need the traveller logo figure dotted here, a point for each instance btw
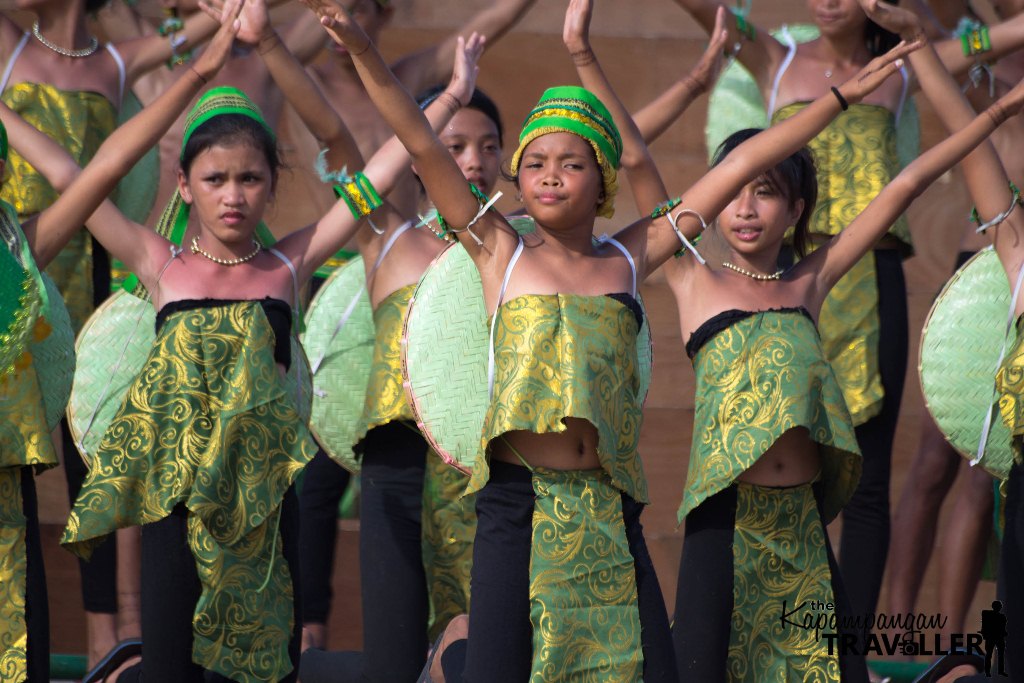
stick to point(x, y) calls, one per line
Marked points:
point(993, 630)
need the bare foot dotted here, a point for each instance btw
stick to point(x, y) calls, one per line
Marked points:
point(458, 629)
point(314, 635)
point(101, 634)
point(964, 670)
point(113, 675)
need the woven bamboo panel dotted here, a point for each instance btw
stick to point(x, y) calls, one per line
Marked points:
point(112, 349)
point(339, 386)
point(960, 345)
point(54, 356)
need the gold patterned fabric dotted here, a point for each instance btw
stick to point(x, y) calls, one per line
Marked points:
point(209, 424)
point(565, 355)
point(757, 378)
point(855, 157)
point(779, 558)
point(583, 593)
point(1010, 386)
point(385, 396)
point(78, 121)
point(13, 570)
point(449, 527)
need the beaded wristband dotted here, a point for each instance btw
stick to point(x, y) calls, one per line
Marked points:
point(666, 206)
point(982, 227)
point(746, 29)
point(975, 41)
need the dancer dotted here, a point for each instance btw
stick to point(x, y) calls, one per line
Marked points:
point(25, 444)
point(550, 437)
point(774, 457)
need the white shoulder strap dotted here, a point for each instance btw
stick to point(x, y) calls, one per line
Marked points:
point(903, 93)
point(603, 239)
point(295, 279)
point(787, 38)
point(14, 57)
point(494, 318)
point(122, 73)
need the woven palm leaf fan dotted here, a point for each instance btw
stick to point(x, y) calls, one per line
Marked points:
point(339, 337)
point(960, 348)
point(444, 354)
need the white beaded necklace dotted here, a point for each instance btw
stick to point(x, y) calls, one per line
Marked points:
point(755, 276)
point(84, 52)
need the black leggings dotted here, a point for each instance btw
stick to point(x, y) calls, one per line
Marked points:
point(500, 645)
point(864, 545)
point(394, 583)
point(170, 590)
point(704, 595)
point(37, 612)
point(323, 484)
point(99, 574)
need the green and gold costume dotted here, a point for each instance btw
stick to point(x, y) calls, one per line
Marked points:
point(24, 443)
point(209, 424)
point(1010, 386)
point(855, 157)
point(79, 121)
point(559, 356)
point(759, 375)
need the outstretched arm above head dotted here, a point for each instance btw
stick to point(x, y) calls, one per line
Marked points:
point(655, 118)
point(116, 156)
point(438, 171)
point(709, 195)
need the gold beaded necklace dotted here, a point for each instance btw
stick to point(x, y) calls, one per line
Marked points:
point(196, 249)
point(761, 277)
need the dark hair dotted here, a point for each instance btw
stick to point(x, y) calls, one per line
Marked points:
point(794, 177)
point(877, 39)
point(228, 129)
point(94, 6)
point(479, 101)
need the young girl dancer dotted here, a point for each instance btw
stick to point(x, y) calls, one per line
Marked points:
point(24, 442)
point(561, 458)
point(863, 322)
point(774, 457)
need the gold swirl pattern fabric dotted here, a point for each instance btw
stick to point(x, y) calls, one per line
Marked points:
point(565, 355)
point(779, 558)
point(209, 424)
point(449, 527)
point(78, 121)
point(583, 594)
point(1010, 386)
point(13, 570)
point(760, 377)
point(855, 157)
point(385, 396)
point(850, 331)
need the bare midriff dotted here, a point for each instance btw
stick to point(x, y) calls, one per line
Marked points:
point(573, 449)
point(792, 460)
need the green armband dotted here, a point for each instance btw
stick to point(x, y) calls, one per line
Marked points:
point(975, 41)
point(360, 195)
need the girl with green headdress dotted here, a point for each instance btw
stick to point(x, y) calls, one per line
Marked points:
point(559, 454)
point(209, 438)
point(25, 439)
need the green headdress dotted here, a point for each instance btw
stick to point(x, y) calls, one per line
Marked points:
point(571, 109)
point(174, 219)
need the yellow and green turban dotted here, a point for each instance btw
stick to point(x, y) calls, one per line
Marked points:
point(174, 218)
point(571, 109)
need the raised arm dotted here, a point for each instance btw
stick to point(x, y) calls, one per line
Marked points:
point(655, 118)
point(438, 171)
point(756, 49)
point(115, 157)
point(718, 186)
point(144, 54)
point(1005, 37)
point(834, 259)
point(432, 65)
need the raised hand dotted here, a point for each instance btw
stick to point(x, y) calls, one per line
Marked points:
point(216, 53)
point(255, 22)
point(876, 71)
point(576, 30)
point(898, 20)
point(339, 25)
point(465, 68)
point(706, 71)
point(1008, 105)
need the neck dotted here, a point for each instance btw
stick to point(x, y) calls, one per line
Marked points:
point(574, 242)
point(843, 50)
point(64, 24)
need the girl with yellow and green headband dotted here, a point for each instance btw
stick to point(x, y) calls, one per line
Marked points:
point(209, 439)
point(25, 444)
point(559, 456)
